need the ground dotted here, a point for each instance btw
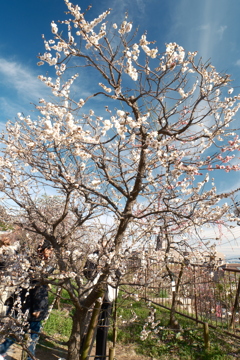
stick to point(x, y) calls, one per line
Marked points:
point(44, 353)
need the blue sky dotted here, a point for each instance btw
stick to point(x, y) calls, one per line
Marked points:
point(211, 27)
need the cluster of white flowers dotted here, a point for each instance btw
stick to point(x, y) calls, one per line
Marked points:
point(131, 70)
point(189, 93)
point(81, 103)
point(54, 28)
point(174, 55)
point(86, 29)
point(95, 183)
point(59, 90)
point(152, 53)
point(150, 325)
point(126, 27)
point(107, 89)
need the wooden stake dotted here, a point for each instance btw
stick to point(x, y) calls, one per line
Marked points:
point(206, 336)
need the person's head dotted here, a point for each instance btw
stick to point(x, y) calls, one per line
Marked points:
point(45, 250)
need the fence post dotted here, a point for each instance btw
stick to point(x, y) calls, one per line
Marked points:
point(111, 353)
point(195, 296)
point(206, 336)
point(145, 285)
point(115, 318)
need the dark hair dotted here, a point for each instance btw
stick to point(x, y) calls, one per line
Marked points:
point(45, 245)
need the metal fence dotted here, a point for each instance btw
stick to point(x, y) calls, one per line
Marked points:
point(200, 292)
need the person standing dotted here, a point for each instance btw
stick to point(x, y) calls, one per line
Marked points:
point(34, 301)
point(103, 322)
point(91, 273)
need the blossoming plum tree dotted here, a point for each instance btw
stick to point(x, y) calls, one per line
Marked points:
point(136, 147)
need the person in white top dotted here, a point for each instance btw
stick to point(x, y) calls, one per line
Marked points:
point(91, 273)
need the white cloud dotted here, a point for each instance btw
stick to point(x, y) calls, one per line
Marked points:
point(237, 62)
point(22, 79)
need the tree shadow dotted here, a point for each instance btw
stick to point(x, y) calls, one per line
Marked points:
point(45, 353)
point(42, 353)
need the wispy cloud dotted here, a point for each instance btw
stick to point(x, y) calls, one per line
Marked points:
point(9, 108)
point(19, 86)
point(141, 5)
point(226, 240)
point(203, 27)
point(220, 31)
point(133, 7)
point(20, 78)
point(210, 28)
point(204, 30)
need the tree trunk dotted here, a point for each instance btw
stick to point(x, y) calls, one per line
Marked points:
point(173, 322)
point(77, 333)
point(83, 328)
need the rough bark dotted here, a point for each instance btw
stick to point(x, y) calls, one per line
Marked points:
point(74, 343)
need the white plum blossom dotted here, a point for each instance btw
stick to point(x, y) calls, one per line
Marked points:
point(96, 183)
point(126, 27)
point(54, 27)
point(120, 113)
point(81, 102)
point(107, 89)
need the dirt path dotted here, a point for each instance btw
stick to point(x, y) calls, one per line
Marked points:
point(125, 352)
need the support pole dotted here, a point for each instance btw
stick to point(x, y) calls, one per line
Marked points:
point(92, 326)
point(206, 336)
point(111, 353)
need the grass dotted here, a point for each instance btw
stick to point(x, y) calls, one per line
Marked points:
point(163, 293)
point(186, 344)
point(65, 299)
point(59, 322)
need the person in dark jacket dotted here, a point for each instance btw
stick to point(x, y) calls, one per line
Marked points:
point(34, 303)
